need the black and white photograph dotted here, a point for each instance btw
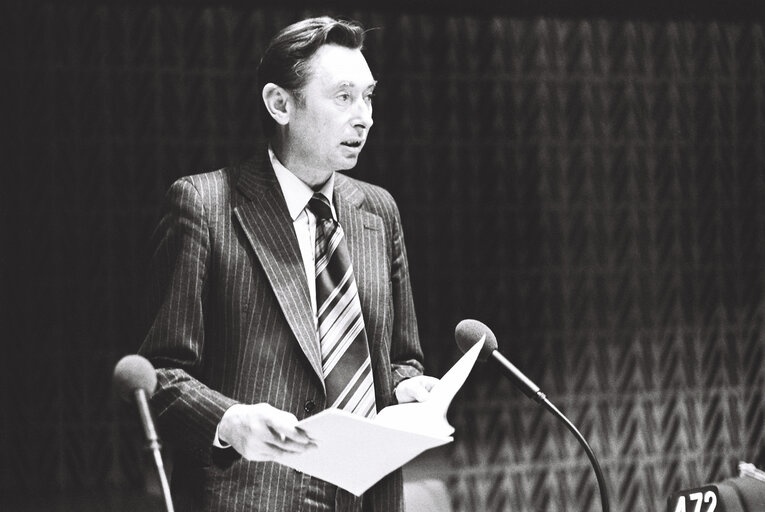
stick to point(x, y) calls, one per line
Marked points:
point(402, 256)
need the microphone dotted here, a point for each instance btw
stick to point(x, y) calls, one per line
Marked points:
point(134, 372)
point(135, 380)
point(469, 332)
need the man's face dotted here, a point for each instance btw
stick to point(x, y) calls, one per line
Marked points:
point(327, 130)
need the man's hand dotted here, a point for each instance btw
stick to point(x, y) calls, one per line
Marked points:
point(261, 432)
point(416, 389)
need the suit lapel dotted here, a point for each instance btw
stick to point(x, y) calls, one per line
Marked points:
point(268, 226)
point(364, 233)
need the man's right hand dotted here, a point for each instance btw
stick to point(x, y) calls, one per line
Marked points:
point(261, 432)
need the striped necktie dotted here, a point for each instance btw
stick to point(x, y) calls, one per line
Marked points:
point(344, 350)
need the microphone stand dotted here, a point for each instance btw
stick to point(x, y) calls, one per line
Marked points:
point(153, 445)
point(532, 391)
point(582, 441)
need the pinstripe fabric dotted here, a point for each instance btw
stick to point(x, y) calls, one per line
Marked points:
point(232, 322)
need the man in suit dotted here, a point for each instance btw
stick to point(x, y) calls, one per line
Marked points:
point(239, 329)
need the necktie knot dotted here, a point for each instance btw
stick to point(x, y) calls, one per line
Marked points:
point(319, 206)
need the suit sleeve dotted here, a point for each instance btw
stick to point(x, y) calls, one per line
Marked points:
point(406, 353)
point(188, 411)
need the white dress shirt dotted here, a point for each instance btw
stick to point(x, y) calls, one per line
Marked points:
point(297, 194)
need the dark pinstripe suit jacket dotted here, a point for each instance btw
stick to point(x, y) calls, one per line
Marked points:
point(232, 323)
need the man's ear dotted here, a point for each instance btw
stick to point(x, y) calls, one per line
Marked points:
point(277, 102)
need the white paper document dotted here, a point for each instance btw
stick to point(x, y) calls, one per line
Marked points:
point(354, 452)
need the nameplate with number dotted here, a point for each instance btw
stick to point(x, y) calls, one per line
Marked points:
point(701, 499)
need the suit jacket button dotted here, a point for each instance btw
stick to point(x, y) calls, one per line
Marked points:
point(309, 406)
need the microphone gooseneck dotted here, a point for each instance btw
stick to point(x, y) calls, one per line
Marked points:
point(469, 332)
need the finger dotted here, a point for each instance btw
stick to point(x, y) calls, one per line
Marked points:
point(289, 446)
point(428, 382)
point(295, 433)
point(419, 393)
point(277, 434)
point(283, 425)
point(304, 435)
point(286, 447)
point(290, 436)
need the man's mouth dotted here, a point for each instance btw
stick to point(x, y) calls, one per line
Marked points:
point(352, 143)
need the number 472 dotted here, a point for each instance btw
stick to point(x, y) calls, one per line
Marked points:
point(709, 497)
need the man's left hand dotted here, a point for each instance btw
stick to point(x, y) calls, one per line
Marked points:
point(416, 389)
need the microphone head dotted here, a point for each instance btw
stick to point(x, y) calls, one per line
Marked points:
point(468, 333)
point(131, 373)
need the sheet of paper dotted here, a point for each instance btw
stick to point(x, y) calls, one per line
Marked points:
point(430, 417)
point(354, 452)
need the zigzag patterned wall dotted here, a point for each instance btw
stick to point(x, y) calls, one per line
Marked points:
point(594, 190)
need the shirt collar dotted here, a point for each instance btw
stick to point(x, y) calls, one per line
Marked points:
point(296, 192)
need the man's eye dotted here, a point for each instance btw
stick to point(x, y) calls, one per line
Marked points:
point(370, 97)
point(344, 97)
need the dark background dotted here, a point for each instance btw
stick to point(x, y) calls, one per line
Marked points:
point(587, 178)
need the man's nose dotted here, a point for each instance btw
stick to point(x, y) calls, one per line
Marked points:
point(363, 114)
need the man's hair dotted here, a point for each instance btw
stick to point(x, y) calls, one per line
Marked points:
point(286, 60)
